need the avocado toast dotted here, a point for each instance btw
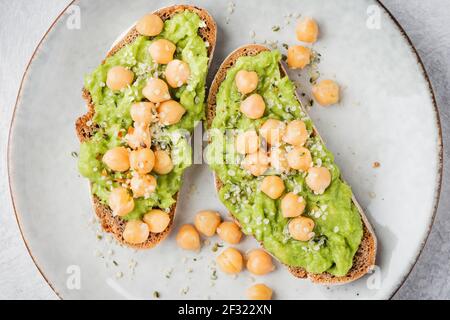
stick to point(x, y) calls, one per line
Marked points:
point(342, 246)
point(109, 123)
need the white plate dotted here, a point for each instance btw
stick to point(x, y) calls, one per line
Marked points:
point(387, 115)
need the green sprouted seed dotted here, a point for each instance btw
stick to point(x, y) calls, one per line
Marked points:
point(216, 247)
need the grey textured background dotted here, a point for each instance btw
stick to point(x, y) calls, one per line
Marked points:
point(22, 25)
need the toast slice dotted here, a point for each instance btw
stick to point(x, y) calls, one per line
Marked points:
point(85, 129)
point(364, 258)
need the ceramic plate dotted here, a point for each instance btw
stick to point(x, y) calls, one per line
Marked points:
point(387, 115)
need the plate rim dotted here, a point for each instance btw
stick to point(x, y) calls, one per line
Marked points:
point(437, 191)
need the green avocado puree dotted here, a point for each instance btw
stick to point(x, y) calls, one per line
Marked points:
point(338, 227)
point(112, 111)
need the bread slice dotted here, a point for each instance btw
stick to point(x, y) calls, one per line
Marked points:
point(85, 128)
point(364, 258)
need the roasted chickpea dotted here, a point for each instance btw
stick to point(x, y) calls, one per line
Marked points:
point(207, 222)
point(157, 220)
point(253, 106)
point(299, 158)
point(230, 261)
point(150, 25)
point(156, 90)
point(272, 131)
point(143, 186)
point(259, 262)
point(273, 186)
point(298, 57)
point(119, 77)
point(278, 160)
point(135, 232)
point(141, 112)
point(163, 162)
point(229, 232)
point(162, 51)
point(117, 159)
point(301, 228)
point(296, 133)
point(142, 160)
point(292, 205)
point(188, 238)
point(318, 179)
point(170, 112)
point(120, 202)
point(246, 81)
point(247, 142)
point(326, 92)
point(177, 73)
point(139, 136)
point(259, 292)
point(307, 30)
point(256, 163)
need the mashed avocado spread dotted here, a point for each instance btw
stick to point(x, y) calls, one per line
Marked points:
point(112, 111)
point(338, 228)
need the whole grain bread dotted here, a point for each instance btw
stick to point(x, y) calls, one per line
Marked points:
point(364, 258)
point(85, 128)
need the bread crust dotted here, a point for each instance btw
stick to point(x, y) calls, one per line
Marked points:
point(85, 129)
point(364, 259)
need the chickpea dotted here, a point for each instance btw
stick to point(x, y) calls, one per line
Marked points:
point(207, 222)
point(259, 262)
point(157, 220)
point(163, 162)
point(292, 205)
point(259, 292)
point(170, 112)
point(247, 142)
point(278, 160)
point(298, 57)
point(119, 77)
point(256, 163)
point(120, 202)
point(188, 238)
point(150, 25)
point(299, 158)
point(156, 90)
point(177, 73)
point(117, 159)
point(301, 228)
point(318, 179)
point(139, 137)
point(272, 131)
point(230, 261)
point(273, 186)
point(253, 106)
point(135, 232)
point(307, 30)
point(326, 92)
point(229, 232)
point(296, 133)
point(246, 81)
point(162, 51)
point(142, 160)
point(141, 112)
point(143, 186)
